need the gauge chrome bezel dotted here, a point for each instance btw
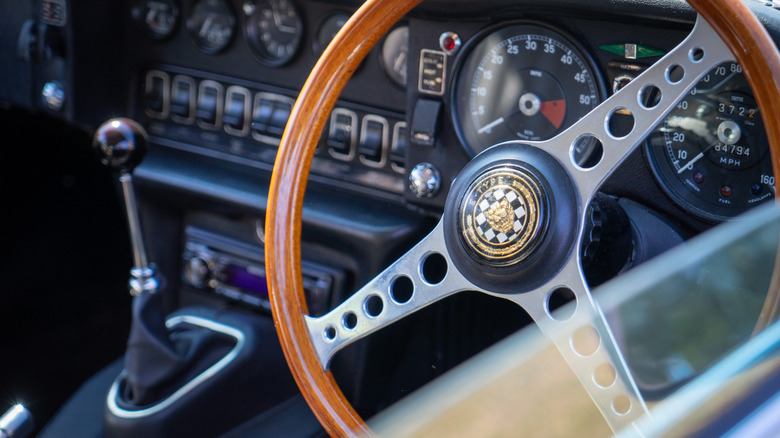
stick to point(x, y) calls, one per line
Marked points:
point(465, 54)
point(258, 48)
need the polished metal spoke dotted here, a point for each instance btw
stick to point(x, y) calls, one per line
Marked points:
point(581, 334)
point(401, 289)
point(647, 100)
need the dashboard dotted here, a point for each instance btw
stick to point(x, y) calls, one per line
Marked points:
point(433, 94)
point(214, 82)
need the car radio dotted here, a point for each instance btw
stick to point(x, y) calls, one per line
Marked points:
point(235, 270)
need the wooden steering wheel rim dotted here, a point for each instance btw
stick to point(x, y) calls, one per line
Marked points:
point(731, 19)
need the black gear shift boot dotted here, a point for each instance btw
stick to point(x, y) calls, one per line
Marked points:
point(214, 370)
point(160, 360)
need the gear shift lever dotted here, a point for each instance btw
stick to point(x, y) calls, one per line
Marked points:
point(192, 365)
point(122, 144)
point(152, 358)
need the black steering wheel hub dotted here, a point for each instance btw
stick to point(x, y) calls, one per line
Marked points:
point(511, 218)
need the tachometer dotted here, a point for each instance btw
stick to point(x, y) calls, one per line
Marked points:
point(524, 81)
point(711, 152)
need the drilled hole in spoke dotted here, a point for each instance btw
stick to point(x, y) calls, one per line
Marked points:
point(587, 151)
point(620, 123)
point(329, 333)
point(675, 73)
point(650, 96)
point(349, 320)
point(604, 375)
point(434, 268)
point(559, 298)
point(585, 341)
point(373, 306)
point(402, 289)
point(621, 405)
point(697, 54)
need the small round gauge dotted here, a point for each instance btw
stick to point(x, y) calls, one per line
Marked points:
point(395, 55)
point(211, 24)
point(522, 82)
point(274, 31)
point(328, 30)
point(159, 17)
point(711, 152)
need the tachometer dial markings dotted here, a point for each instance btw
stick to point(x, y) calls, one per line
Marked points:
point(524, 81)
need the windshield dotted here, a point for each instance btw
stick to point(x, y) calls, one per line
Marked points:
point(686, 325)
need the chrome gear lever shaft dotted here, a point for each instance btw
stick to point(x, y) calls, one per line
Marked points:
point(121, 145)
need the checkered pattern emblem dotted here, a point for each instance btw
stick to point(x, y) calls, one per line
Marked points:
point(500, 216)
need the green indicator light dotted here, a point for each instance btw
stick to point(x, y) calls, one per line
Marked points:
point(632, 51)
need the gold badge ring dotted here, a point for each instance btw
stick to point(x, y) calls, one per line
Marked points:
point(501, 216)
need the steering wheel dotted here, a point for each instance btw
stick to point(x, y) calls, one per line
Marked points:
point(514, 218)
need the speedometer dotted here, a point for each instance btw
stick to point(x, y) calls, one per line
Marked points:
point(711, 152)
point(522, 82)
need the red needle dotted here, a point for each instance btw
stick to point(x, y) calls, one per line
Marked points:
point(554, 111)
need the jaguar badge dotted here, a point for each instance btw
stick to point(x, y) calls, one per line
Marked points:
point(502, 216)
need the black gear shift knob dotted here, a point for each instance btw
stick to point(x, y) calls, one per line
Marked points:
point(121, 144)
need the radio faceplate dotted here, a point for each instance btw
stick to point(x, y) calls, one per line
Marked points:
point(235, 271)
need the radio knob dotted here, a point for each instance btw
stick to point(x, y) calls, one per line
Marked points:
point(197, 272)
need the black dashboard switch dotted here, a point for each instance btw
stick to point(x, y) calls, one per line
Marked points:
point(236, 105)
point(156, 93)
point(182, 93)
point(343, 124)
point(373, 138)
point(398, 146)
point(209, 105)
point(261, 115)
point(425, 122)
point(279, 118)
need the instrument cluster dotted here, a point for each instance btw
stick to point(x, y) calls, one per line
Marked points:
point(530, 81)
point(524, 80)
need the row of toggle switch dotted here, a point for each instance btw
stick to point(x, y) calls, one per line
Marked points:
point(376, 141)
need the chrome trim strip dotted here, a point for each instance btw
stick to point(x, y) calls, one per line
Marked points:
point(114, 408)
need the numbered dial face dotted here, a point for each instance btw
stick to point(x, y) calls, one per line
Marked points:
point(522, 82)
point(274, 30)
point(211, 24)
point(711, 152)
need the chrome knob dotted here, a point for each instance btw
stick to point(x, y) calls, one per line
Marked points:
point(121, 144)
point(424, 180)
point(53, 95)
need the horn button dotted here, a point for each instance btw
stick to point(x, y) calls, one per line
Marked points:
point(510, 219)
point(503, 216)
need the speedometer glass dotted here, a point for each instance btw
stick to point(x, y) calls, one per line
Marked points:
point(522, 82)
point(711, 152)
